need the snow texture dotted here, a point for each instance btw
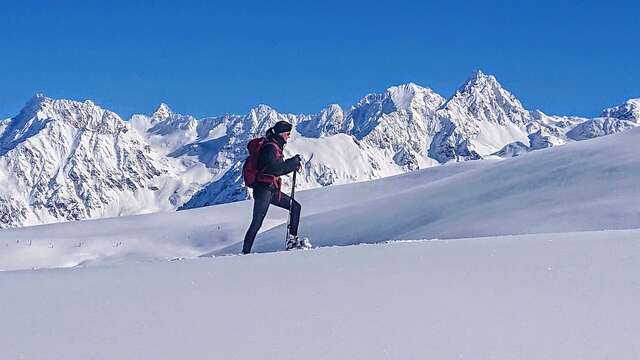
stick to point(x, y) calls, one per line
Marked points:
point(568, 290)
point(551, 296)
point(583, 186)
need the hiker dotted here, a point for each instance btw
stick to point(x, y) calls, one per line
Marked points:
point(262, 172)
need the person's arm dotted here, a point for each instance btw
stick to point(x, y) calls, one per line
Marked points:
point(275, 166)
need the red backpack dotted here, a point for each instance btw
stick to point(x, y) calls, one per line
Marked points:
point(250, 171)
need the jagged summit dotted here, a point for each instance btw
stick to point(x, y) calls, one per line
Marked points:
point(41, 110)
point(482, 97)
point(33, 105)
point(332, 108)
point(71, 160)
point(261, 114)
point(479, 74)
point(329, 121)
point(261, 110)
point(409, 87)
point(408, 98)
point(630, 110)
point(162, 112)
point(262, 107)
point(37, 98)
point(479, 82)
point(478, 120)
point(411, 95)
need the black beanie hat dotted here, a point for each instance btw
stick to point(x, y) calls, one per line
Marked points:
point(281, 127)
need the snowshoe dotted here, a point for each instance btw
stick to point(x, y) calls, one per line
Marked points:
point(304, 243)
point(294, 242)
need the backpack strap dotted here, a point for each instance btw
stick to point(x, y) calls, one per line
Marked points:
point(274, 144)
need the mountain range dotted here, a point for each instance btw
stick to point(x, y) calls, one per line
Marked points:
point(63, 160)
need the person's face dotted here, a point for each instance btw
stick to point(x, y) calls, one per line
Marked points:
point(285, 135)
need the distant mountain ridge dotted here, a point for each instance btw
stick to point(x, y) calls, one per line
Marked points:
point(65, 160)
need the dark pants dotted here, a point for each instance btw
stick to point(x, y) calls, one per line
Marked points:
point(262, 197)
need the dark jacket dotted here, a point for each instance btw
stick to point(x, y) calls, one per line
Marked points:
point(272, 164)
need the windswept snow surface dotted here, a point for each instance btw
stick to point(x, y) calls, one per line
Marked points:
point(555, 294)
point(589, 185)
point(545, 296)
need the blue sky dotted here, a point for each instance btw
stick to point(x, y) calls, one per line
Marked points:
point(209, 57)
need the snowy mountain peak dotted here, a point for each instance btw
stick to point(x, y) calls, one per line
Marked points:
point(409, 98)
point(481, 83)
point(411, 95)
point(166, 131)
point(35, 100)
point(478, 120)
point(74, 160)
point(404, 90)
point(66, 114)
point(482, 97)
point(162, 112)
point(261, 109)
point(332, 114)
point(263, 116)
point(262, 113)
point(333, 111)
point(478, 74)
point(33, 105)
point(70, 160)
point(332, 108)
point(630, 110)
point(328, 122)
point(86, 115)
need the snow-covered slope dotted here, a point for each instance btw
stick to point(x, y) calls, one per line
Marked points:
point(582, 186)
point(568, 290)
point(551, 296)
point(543, 296)
point(589, 185)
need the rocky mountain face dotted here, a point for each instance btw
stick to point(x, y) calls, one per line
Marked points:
point(612, 120)
point(383, 134)
point(478, 120)
point(629, 111)
point(65, 160)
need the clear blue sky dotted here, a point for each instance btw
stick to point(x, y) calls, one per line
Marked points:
point(210, 57)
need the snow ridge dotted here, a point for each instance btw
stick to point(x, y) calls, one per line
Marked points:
point(67, 160)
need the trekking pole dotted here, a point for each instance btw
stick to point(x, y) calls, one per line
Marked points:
point(293, 194)
point(293, 188)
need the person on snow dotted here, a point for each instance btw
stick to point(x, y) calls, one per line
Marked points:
point(266, 189)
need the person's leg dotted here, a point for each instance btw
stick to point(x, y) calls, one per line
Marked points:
point(284, 201)
point(261, 198)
